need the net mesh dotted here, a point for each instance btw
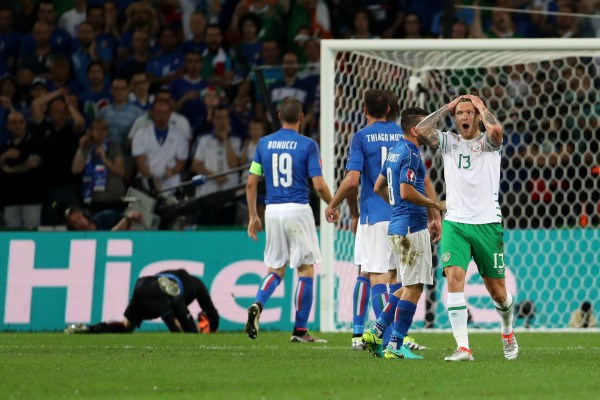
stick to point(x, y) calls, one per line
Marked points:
point(548, 104)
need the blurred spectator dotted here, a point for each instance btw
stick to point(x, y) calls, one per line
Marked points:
point(138, 60)
point(60, 41)
point(271, 14)
point(425, 10)
point(140, 16)
point(361, 25)
point(216, 63)
point(160, 150)
point(271, 68)
point(96, 95)
point(111, 25)
point(21, 175)
point(60, 75)
point(256, 130)
point(246, 54)
point(70, 20)
point(26, 16)
point(214, 153)
point(242, 106)
point(187, 91)
point(9, 41)
point(197, 28)
point(59, 134)
point(583, 317)
point(139, 94)
point(80, 219)
point(412, 27)
point(565, 26)
point(502, 26)
point(102, 164)
point(166, 65)
point(292, 86)
point(309, 13)
point(387, 15)
point(37, 59)
point(10, 94)
point(86, 51)
point(179, 123)
point(106, 33)
point(120, 114)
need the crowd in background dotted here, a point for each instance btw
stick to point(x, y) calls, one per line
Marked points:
point(97, 96)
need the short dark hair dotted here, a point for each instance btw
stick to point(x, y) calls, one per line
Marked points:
point(410, 117)
point(376, 102)
point(394, 105)
point(291, 110)
point(250, 16)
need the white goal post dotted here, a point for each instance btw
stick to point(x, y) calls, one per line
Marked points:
point(545, 92)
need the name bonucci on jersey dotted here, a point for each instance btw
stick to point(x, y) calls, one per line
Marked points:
point(472, 175)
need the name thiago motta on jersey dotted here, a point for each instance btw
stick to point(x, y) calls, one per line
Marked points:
point(383, 137)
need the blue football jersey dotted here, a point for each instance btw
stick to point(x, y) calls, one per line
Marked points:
point(368, 150)
point(286, 159)
point(405, 165)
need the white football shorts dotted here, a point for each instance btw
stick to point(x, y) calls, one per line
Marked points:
point(413, 257)
point(376, 255)
point(291, 236)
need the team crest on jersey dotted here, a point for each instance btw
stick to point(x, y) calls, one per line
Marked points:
point(411, 176)
point(477, 147)
point(446, 257)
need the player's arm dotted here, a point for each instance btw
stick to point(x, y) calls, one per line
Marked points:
point(381, 188)
point(348, 186)
point(433, 215)
point(322, 190)
point(493, 128)
point(409, 193)
point(179, 319)
point(352, 200)
point(426, 129)
point(206, 304)
point(254, 224)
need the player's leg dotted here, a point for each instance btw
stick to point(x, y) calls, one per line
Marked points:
point(304, 248)
point(456, 255)
point(275, 257)
point(377, 260)
point(360, 296)
point(360, 303)
point(413, 254)
point(488, 253)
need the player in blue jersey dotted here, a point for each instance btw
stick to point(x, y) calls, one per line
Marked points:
point(367, 150)
point(287, 160)
point(402, 183)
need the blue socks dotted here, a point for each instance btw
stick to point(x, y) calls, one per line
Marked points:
point(360, 301)
point(379, 298)
point(303, 300)
point(404, 319)
point(267, 287)
point(393, 300)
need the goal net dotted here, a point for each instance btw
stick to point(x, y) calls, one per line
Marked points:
point(545, 93)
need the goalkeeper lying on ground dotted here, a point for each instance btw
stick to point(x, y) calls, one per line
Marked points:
point(165, 295)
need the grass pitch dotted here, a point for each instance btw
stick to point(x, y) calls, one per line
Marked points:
point(231, 366)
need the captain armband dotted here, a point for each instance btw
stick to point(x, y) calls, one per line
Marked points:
point(256, 168)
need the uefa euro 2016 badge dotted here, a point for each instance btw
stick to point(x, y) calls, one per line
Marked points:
point(476, 147)
point(446, 257)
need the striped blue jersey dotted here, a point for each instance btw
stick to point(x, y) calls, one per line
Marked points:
point(368, 150)
point(286, 159)
point(405, 165)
